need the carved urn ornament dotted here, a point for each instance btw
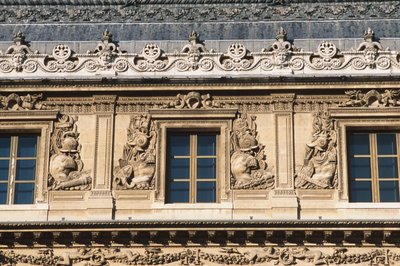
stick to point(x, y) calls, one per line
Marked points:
point(248, 166)
point(66, 166)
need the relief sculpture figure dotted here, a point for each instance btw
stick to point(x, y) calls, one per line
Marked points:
point(137, 165)
point(319, 168)
point(248, 166)
point(66, 166)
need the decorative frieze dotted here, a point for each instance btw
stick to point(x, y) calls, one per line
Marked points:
point(66, 166)
point(356, 98)
point(14, 102)
point(320, 162)
point(248, 166)
point(281, 58)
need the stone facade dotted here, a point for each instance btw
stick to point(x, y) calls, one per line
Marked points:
point(281, 108)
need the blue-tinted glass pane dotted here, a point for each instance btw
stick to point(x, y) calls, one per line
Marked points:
point(206, 168)
point(361, 191)
point(5, 143)
point(3, 193)
point(179, 169)
point(4, 164)
point(387, 167)
point(206, 192)
point(360, 168)
point(206, 144)
point(27, 146)
point(179, 145)
point(358, 144)
point(24, 193)
point(25, 170)
point(386, 143)
point(178, 192)
point(389, 191)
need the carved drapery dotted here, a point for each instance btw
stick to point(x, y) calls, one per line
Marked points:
point(194, 57)
point(248, 166)
point(137, 166)
point(66, 166)
point(320, 163)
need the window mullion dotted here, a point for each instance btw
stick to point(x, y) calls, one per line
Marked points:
point(12, 173)
point(374, 168)
point(193, 143)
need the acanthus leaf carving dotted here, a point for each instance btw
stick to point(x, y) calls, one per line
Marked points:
point(66, 166)
point(15, 102)
point(137, 166)
point(389, 98)
point(248, 166)
point(319, 170)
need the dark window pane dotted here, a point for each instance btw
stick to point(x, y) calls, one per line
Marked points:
point(387, 167)
point(389, 191)
point(206, 168)
point(5, 142)
point(27, 146)
point(4, 164)
point(386, 143)
point(179, 169)
point(361, 191)
point(358, 144)
point(206, 192)
point(26, 170)
point(3, 193)
point(360, 168)
point(24, 193)
point(178, 192)
point(179, 145)
point(206, 145)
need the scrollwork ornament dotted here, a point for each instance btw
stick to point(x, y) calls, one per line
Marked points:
point(383, 62)
point(182, 65)
point(206, 64)
point(267, 64)
point(358, 63)
point(237, 50)
point(327, 49)
point(6, 67)
point(91, 66)
point(121, 65)
point(30, 66)
point(61, 52)
point(296, 64)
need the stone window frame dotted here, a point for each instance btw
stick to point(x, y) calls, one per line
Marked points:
point(41, 123)
point(362, 119)
point(210, 120)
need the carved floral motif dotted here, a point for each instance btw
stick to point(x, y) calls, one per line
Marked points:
point(319, 169)
point(66, 166)
point(16, 102)
point(248, 166)
point(372, 98)
point(137, 166)
point(198, 256)
point(192, 100)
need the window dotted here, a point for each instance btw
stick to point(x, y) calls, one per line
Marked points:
point(374, 166)
point(18, 160)
point(191, 167)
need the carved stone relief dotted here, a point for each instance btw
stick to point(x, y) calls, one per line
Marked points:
point(137, 166)
point(204, 256)
point(192, 100)
point(15, 102)
point(372, 98)
point(248, 166)
point(320, 163)
point(66, 166)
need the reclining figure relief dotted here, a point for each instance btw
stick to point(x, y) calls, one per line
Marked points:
point(248, 166)
point(66, 166)
point(137, 165)
point(319, 169)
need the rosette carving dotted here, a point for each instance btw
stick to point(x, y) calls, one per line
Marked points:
point(248, 166)
point(237, 58)
point(151, 59)
point(327, 57)
point(62, 59)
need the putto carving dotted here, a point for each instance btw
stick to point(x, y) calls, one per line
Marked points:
point(372, 98)
point(18, 52)
point(248, 166)
point(137, 166)
point(192, 100)
point(371, 50)
point(66, 166)
point(319, 169)
point(15, 102)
